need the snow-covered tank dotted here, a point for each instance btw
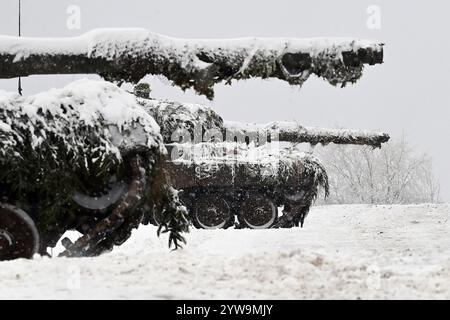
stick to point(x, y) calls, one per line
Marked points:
point(224, 181)
point(230, 171)
point(57, 151)
point(86, 157)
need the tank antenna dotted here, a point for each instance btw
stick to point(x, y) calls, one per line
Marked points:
point(19, 84)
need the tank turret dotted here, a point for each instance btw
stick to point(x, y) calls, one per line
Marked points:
point(199, 123)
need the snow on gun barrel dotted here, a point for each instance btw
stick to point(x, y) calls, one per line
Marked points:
point(130, 54)
point(296, 133)
point(198, 123)
point(231, 170)
point(62, 154)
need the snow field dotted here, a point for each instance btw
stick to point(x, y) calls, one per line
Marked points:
point(347, 251)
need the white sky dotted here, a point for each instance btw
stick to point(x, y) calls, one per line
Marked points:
point(409, 94)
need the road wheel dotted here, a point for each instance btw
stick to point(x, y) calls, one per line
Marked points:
point(258, 212)
point(212, 212)
point(19, 237)
point(109, 197)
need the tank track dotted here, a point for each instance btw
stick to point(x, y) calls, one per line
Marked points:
point(243, 209)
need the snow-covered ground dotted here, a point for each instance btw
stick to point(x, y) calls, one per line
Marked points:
point(357, 251)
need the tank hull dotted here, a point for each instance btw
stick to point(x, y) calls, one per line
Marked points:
point(269, 178)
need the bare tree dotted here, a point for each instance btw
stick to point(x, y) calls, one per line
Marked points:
point(394, 174)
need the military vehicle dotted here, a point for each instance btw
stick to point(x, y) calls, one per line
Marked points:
point(67, 162)
point(239, 174)
point(64, 165)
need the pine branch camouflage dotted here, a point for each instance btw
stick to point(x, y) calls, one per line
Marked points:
point(50, 152)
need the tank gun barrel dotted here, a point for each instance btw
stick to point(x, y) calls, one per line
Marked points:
point(295, 133)
point(131, 54)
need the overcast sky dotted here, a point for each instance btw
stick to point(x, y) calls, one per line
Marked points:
point(409, 94)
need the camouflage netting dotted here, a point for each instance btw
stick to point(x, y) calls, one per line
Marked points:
point(74, 139)
point(131, 54)
point(175, 117)
point(281, 168)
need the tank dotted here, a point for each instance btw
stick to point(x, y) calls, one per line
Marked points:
point(236, 174)
point(224, 183)
point(69, 163)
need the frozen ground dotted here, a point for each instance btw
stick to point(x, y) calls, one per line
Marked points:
point(343, 252)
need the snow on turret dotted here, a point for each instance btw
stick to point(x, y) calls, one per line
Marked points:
point(84, 109)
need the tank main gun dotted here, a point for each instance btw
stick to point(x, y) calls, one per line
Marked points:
point(296, 133)
point(197, 120)
point(131, 54)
